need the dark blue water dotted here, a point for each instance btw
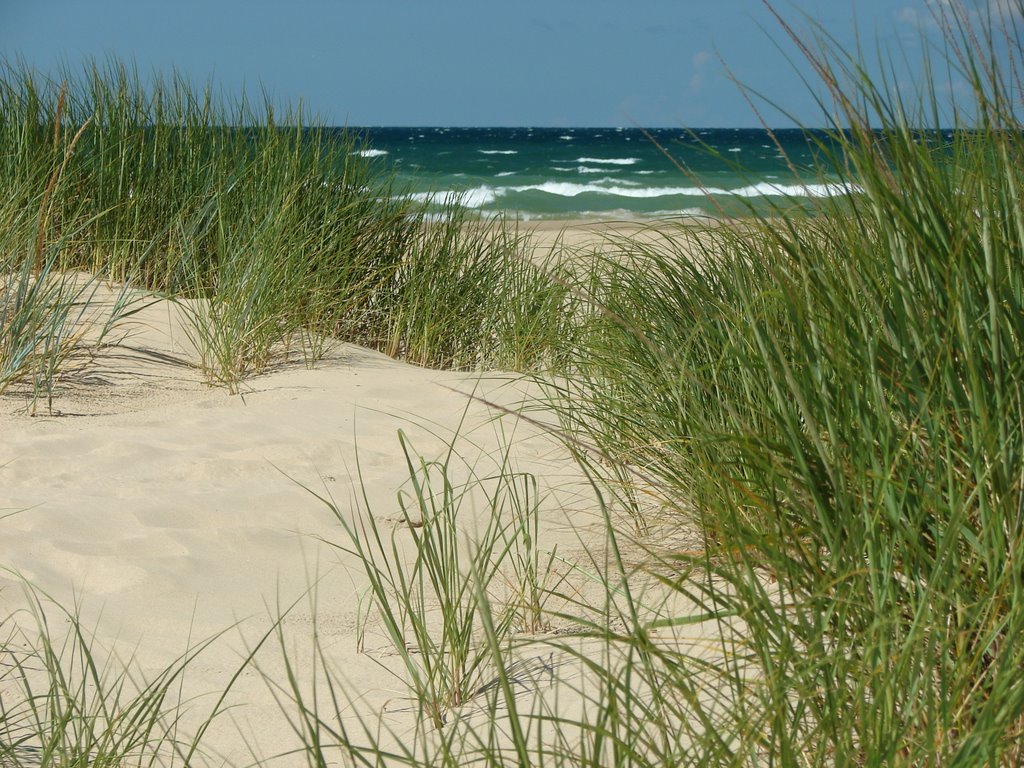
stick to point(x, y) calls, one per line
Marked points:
point(541, 173)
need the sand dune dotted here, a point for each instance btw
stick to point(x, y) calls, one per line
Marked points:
point(169, 511)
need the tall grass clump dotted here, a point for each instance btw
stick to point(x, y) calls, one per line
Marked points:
point(489, 683)
point(66, 703)
point(160, 161)
point(182, 192)
point(467, 296)
point(274, 231)
point(836, 400)
point(432, 581)
point(49, 324)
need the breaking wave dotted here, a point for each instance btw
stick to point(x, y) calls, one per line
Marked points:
point(470, 198)
point(478, 197)
point(609, 160)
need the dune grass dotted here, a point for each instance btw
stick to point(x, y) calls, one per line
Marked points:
point(430, 604)
point(65, 703)
point(277, 235)
point(835, 402)
point(48, 328)
point(468, 296)
point(832, 401)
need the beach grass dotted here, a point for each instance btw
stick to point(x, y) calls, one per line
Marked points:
point(69, 702)
point(834, 403)
point(48, 323)
point(431, 604)
point(275, 232)
point(831, 400)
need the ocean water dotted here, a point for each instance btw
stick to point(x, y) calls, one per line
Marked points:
point(539, 173)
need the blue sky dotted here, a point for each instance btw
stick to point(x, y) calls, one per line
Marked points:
point(473, 62)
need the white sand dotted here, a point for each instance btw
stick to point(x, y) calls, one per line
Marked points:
point(170, 511)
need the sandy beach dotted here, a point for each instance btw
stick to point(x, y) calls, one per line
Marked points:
point(376, 391)
point(166, 512)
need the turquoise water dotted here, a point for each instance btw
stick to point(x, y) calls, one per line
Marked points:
point(540, 173)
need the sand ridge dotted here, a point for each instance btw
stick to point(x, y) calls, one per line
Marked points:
point(170, 511)
point(167, 512)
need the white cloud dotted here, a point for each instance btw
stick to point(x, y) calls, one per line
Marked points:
point(1006, 9)
point(929, 13)
point(909, 15)
point(700, 61)
point(923, 15)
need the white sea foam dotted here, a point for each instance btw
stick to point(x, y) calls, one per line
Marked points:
point(625, 214)
point(567, 138)
point(474, 198)
point(485, 194)
point(470, 198)
point(609, 160)
point(618, 188)
point(735, 149)
point(437, 217)
point(565, 170)
point(588, 169)
point(571, 189)
point(498, 151)
point(371, 152)
point(765, 189)
point(505, 173)
point(609, 181)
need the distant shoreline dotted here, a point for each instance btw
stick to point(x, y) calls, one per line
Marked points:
point(601, 174)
